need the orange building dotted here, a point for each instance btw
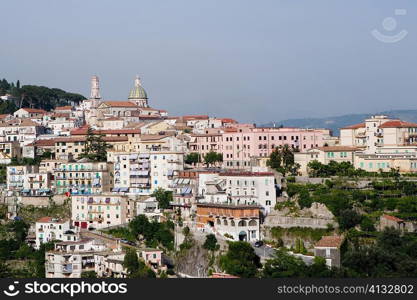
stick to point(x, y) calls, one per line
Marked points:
point(238, 221)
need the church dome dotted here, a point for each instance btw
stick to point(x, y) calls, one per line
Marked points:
point(138, 92)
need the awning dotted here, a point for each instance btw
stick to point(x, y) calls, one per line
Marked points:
point(115, 189)
point(25, 191)
point(124, 189)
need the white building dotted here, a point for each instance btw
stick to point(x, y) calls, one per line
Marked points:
point(70, 259)
point(48, 229)
point(101, 211)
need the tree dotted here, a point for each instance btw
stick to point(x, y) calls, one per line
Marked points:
point(192, 158)
point(211, 243)
point(349, 218)
point(131, 261)
point(240, 260)
point(367, 224)
point(212, 158)
point(163, 197)
point(282, 160)
point(284, 265)
point(95, 148)
point(89, 274)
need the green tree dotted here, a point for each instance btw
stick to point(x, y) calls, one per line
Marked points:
point(282, 160)
point(192, 158)
point(349, 218)
point(240, 260)
point(131, 261)
point(211, 243)
point(367, 224)
point(284, 265)
point(89, 274)
point(163, 197)
point(95, 148)
point(211, 158)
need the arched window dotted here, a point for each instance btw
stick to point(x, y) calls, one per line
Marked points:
point(218, 222)
point(253, 223)
point(225, 222)
point(241, 223)
point(232, 223)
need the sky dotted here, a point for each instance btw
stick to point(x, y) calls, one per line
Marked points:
point(255, 61)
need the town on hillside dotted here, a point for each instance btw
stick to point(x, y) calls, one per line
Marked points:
point(100, 188)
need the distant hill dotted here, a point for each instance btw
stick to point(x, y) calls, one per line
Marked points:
point(337, 122)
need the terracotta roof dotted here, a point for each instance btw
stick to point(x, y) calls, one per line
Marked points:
point(84, 130)
point(40, 143)
point(392, 218)
point(330, 241)
point(148, 137)
point(84, 138)
point(68, 107)
point(120, 104)
point(336, 148)
point(397, 124)
point(3, 116)
point(50, 220)
point(355, 126)
point(227, 120)
point(196, 117)
point(34, 110)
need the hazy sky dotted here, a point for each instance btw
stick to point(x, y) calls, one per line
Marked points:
point(254, 61)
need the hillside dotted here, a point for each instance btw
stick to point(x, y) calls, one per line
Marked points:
point(34, 96)
point(336, 122)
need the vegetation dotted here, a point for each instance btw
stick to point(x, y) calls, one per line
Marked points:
point(163, 197)
point(136, 268)
point(392, 255)
point(211, 158)
point(333, 168)
point(154, 233)
point(17, 259)
point(192, 158)
point(240, 260)
point(282, 160)
point(95, 148)
point(211, 243)
point(34, 96)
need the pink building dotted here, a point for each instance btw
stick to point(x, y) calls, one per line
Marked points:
point(240, 143)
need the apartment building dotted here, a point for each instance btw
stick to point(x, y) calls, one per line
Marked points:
point(83, 177)
point(71, 259)
point(8, 150)
point(71, 147)
point(17, 176)
point(163, 167)
point(101, 211)
point(324, 155)
point(23, 131)
point(239, 145)
point(32, 113)
point(49, 229)
point(131, 172)
point(250, 188)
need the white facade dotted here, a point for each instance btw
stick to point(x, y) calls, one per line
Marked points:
point(48, 229)
point(100, 211)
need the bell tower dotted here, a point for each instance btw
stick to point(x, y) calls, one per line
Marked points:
point(95, 88)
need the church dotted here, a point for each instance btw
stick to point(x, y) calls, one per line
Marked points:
point(135, 109)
